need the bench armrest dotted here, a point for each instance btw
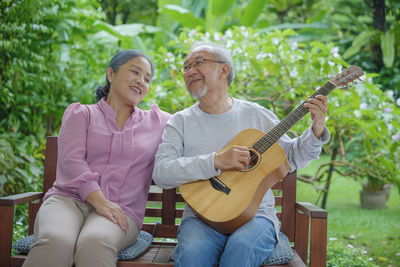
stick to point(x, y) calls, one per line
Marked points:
point(311, 231)
point(14, 200)
point(311, 210)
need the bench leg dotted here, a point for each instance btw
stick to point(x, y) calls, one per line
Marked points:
point(318, 242)
point(6, 233)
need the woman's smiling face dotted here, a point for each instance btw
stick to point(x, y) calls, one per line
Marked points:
point(130, 84)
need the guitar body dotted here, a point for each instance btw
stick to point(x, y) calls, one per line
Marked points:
point(227, 212)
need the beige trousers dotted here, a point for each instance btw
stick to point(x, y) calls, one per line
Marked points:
point(69, 231)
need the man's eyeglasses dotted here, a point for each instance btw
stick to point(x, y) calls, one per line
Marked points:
point(198, 62)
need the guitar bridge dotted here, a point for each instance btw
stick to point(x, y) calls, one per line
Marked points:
point(217, 184)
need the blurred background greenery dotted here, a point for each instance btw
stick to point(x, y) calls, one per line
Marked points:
point(55, 52)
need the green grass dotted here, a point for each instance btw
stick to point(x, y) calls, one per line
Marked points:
point(375, 231)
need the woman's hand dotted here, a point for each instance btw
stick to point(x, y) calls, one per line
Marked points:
point(108, 209)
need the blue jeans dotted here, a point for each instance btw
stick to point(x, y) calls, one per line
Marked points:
point(199, 245)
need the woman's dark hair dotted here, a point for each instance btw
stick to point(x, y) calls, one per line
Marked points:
point(115, 63)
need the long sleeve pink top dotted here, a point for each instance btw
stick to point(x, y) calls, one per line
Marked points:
point(94, 154)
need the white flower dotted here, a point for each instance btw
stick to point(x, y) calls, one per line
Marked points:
point(260, 55)
point(216, 36)
point(295, 45)
point(363, 106)
point(228, 34)
point(350, 246)
point(331, 63)
point(275, 41)
point(293, 73)
point(390, 93)
point(192, 33)
point(332, 239)
point(207, 35)
point(171, 57)
point(335, 51)
point(398, 101)
point(229, 43)
point(396, 137)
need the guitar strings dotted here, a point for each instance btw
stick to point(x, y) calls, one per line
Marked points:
point(271, 137)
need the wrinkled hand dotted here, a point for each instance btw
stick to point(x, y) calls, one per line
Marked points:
point(108, 209)
point(237, 157)
point(318, 108)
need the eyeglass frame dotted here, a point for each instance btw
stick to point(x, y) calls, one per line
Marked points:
point(198, 65)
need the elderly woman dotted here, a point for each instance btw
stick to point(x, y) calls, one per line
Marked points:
point(105, 161)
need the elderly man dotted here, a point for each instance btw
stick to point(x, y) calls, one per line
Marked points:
point(188, 152)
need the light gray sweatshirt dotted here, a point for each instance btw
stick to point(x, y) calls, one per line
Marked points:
point(192, 137)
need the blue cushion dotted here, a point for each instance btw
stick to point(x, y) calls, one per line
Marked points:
point(141, 244)
point(282, 253)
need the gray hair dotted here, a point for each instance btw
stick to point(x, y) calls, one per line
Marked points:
point(220, 53)
point(116, 62)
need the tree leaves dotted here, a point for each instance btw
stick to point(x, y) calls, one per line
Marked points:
point(387, 46)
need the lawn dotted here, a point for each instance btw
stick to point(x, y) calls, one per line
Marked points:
point(376, 232)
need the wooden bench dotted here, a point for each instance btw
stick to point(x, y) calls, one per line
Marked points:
point(304, 224)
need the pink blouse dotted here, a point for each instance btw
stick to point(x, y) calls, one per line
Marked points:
point(94, 154)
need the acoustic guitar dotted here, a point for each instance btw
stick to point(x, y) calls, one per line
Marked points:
point(230, 200)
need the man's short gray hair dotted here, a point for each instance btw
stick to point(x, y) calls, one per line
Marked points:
point(220, 53)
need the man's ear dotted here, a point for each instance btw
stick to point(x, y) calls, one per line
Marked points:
point(225, 70)
point(110, 74)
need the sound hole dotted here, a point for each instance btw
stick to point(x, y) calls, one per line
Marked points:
point(254, 160)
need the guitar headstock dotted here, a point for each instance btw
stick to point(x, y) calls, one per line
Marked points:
point(346, 76)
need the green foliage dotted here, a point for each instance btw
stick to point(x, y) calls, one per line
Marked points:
point(339, 255)
point(130, 11)
point(18, 169)
point(279, 74)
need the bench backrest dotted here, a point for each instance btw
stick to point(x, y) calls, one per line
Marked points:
point(162, 204)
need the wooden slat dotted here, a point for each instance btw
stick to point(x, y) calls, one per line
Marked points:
point(288, 206)
point(278, 201)
point(6, 233)
point(179, 198)
point(277, 186)
point(50, 163)
point(20, 198)
point(301, 235)
point(164, 255)
point(33, 209)
point(167, 231)
point(168, 209)
point(153, 212)
point(178, 213)
point(311, 210)
point(154, 197)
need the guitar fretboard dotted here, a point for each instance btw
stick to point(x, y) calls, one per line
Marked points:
point(291, 119)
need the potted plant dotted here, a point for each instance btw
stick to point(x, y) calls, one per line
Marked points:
point(365, 125)
point(371, 148)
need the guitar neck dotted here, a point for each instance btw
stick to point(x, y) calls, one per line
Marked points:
point(291, 119)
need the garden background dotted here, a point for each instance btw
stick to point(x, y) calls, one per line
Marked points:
point(55, 52)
